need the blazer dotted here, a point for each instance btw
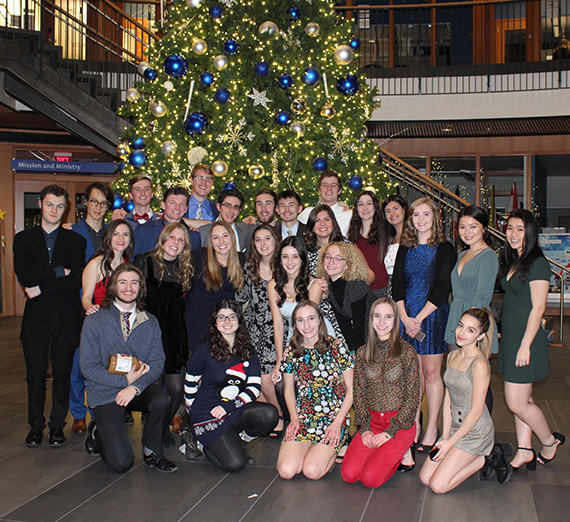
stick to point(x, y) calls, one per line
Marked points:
point(300, 231)
point(81, 228)
point(244, 233)
point(33, 267)
point(131, 219)
point(147, 234)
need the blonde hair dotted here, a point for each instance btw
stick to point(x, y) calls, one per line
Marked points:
point(410, 234)
point(212, 272)
point(355, 268)
point(184, 266)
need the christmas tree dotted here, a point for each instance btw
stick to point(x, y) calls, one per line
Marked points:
point(267, 92)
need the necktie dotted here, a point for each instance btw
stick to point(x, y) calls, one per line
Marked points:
point(289, 233)
point(199, 214)
point(138, 217)
point(126, 315)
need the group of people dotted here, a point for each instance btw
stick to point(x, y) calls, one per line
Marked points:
point(326, 327)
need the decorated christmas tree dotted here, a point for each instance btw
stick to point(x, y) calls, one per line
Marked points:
point(267, 92)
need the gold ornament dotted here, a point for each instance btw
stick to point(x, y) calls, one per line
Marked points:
point(122, 150)
point(298, 127)
point(168, 147)
point(298, 106)
point(343, 55)
point(133, 95)
point(193, 3)
point(269, 28)
point(220, 168)
point(157, 108)
point(220, 62)
point(312, 29)
point(328, 111)
point(199, 47)
point(256, 171)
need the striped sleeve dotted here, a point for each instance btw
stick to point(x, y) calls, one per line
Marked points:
point(193, 376)
point(253, 388)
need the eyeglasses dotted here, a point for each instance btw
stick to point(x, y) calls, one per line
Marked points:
point(223, 318)
point(99, 204)
point(207, 179)
point(337, 259)
point(229, 206)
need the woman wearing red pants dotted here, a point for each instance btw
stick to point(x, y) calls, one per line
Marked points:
point(386, 398)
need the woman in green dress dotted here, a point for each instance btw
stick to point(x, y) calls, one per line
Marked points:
point(523, 353)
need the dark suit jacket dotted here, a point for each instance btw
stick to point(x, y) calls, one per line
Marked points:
point(131, 219)
point(300, 231)
point(81, 228)
point(147, 234)
point(32, 265)
point(244, 233)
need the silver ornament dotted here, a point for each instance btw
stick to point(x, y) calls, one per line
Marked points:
point(220, 62)
point(298, 106)
point(168, 147)
point(269, 28)
point(193, 3)
point(132, 95)
point(343, 55)
point(157, 108)
point(220, 168)
point(168, 85)
point(256, 171)
point(199, 47)
point(298, 127)
point(328, 111)
point(142, 67)
point(312, 29)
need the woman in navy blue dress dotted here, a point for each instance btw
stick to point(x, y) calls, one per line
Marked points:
point(421, 287)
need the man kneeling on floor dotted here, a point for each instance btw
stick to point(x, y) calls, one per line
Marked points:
point(122, 326)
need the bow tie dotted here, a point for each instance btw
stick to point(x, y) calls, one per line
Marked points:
point(138, 217)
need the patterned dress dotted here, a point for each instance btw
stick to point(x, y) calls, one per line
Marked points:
point(320, 390)
point(258, 319)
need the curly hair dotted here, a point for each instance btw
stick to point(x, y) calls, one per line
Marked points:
point(410, 234)
point(255, 258)
point(183, 263)
point(324, 340)
point(106, 250)
point(311, 237)
point(355, 268)
point(213, 278)
point(220, 349)
point(281, 277)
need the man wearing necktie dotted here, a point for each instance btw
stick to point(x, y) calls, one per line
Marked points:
point(199, 206)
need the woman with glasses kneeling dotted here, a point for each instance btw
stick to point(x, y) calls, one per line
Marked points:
point(222, 382)
point(322, 368)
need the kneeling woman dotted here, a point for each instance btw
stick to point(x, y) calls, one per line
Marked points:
point(468, 432)
point(386, 398)
point(322, 368)
point(222, 382)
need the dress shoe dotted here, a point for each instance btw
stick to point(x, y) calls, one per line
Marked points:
point(78, 426)
point(56, 438)
point(34, 438)
point(160, 462)
point(500, 464)
point(191, 449)
point(404, 468)
point(91, 445)
point(176, 422)
point(129, 421)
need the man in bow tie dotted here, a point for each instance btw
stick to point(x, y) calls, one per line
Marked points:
point(140, 192)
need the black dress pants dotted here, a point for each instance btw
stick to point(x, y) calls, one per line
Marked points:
point(111, 433)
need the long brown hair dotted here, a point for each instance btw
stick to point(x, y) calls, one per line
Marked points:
point(219, 347)
point(183, 262)
point(111, 292)
point(212, 271)
point(410, 234)
point(106, 250)
point(324, 341)
point(255, 258)
point(395, 348)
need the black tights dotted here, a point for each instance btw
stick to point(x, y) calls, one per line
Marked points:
point(226, 452)
point(174, 387)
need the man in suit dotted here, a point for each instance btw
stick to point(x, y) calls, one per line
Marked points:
point(174, 206)
point(230, 203)
point(48, 260)
point(199, 206)
point(289, 207)
point(98, 199)
point(140, 192)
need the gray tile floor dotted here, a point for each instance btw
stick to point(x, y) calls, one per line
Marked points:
point(66, 484)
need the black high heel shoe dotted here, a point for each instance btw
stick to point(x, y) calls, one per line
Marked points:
point(531, 464)
point(426, 448)
point(403, 468)
point(559, 440)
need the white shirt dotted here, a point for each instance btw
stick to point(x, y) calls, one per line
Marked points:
point(342, 216)
point(285, 231)
point(132, 317)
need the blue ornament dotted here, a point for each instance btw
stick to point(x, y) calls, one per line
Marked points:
point(348, 86)
point(138, 143)
point(120, 166)
point(129, 206)
point(196, 123)
point(312, 76)
point(229, 185)
point(294, 13)
point(261, 68)
point(355, 43)
point(175, 66)
point(355, 183)
point(118, 201)
point(138, 158)
point(231, 47)
point(150, 74)
point(285, 81)
point(282, 118)
point(207, 78)
point(222, 95)
point(320, 164)
point(216, 11)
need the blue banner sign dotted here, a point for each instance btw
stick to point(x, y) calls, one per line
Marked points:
point(69, 167)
